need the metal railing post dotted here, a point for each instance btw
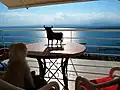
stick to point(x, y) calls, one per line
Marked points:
point(3, 43)
point(71, 35)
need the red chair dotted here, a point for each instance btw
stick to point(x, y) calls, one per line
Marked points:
point(4, 54)
point(106, 83)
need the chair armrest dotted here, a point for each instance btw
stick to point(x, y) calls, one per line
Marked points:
point(4, 54)
point(112, 70)
point(2, 50)
point(7, 86)
point(96, 86)
point(80, 79)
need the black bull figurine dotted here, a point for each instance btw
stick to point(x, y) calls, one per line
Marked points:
point(53, 35)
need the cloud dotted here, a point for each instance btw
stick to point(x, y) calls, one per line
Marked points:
point(30, 18)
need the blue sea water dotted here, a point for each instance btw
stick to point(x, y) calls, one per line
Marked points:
point(30, 36)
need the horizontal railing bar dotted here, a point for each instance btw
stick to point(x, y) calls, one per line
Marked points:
point(65, 29)
point(23, 37)
point(93, 38)
point(103, 46)
point(64, 38)
point(97, 38)
point(17, 30)
point(14, 42)
point(103, 54)
point(90, 30)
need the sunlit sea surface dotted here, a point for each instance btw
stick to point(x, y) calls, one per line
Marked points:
point(37, 34)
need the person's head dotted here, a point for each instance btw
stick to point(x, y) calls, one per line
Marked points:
point(17, 51)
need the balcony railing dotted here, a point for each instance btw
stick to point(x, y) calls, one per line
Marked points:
point(87, 68)
point(70, 35)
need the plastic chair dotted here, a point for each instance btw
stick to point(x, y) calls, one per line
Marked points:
point(4, 54)
point(105, 83)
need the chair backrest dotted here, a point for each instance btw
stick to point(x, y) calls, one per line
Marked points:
point(3, 50)
point(49, 31)
point(7, 86)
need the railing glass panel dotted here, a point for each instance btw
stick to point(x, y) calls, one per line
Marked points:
point(105, 41)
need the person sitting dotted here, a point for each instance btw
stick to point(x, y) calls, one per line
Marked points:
point(18, 72)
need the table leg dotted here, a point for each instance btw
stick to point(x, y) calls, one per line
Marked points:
point(42, 67)
point(64, 72)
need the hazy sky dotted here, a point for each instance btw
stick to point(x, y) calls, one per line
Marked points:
point(95, 13)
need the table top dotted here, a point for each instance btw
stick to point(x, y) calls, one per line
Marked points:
point(66, 50)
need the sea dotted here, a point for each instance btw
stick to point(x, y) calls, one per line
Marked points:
point(94, 39)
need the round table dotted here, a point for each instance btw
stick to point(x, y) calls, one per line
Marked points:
point(65, 51)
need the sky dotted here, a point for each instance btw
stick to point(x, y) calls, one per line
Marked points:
point(93, 13)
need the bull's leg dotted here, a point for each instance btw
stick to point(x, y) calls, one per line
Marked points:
point(52, 43)
point(57, 42)
point(61, 42)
